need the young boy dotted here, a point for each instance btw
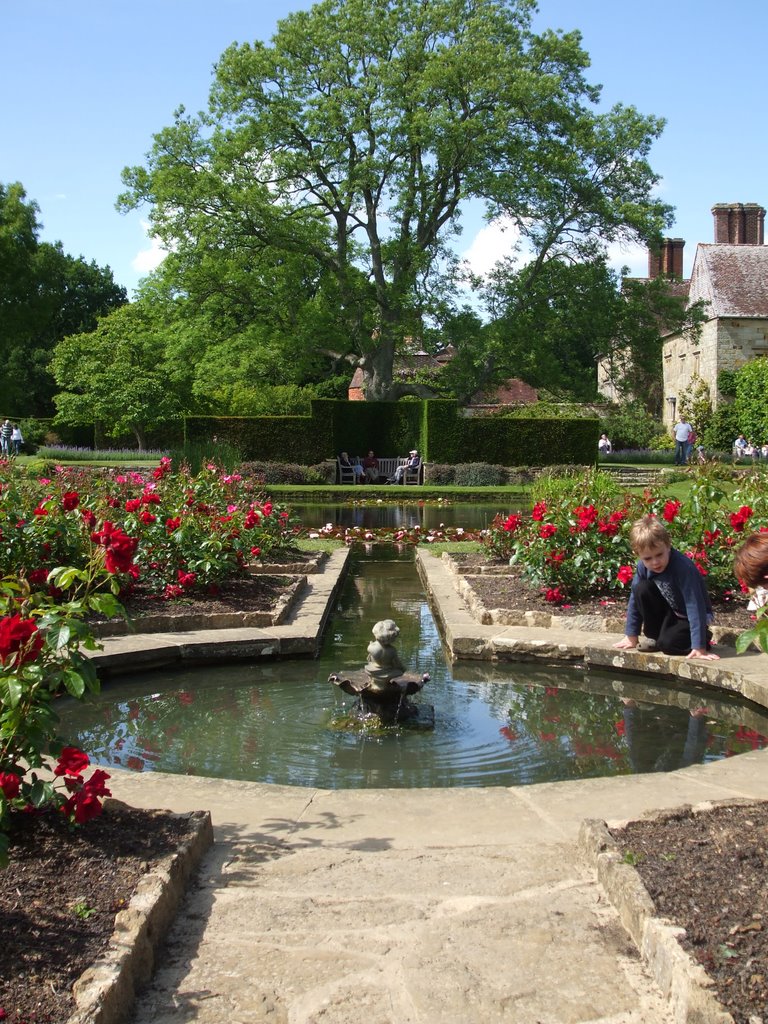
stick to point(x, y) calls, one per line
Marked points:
point(669, 601)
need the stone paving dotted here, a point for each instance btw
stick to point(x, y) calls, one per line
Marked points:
point(448, 906)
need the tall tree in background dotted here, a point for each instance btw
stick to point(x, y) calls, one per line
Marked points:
point(353, 140)
point(45, 294)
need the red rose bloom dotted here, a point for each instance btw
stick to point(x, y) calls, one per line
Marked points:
point(539, 511)
point(547, 530)
point(19, 639)
point(147, 518)
point(671, 508)
point(10, 783)
point(70, 501)
point(72, 761)
point(133, 505)
point(172, 524)
point(625, 574)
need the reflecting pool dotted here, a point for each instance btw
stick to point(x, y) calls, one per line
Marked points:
point(495, 724)
point(371, 515)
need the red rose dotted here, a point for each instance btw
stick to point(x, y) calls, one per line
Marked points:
point(539, 511)
point(547, 530)
point(133, 505)
point(147, 518)
point(10, 783)
point(72, 761)
point(625, 574)
point(172, 524)
point(671, 508)
point(19, 639)
point(70, 501)
point(511, 523)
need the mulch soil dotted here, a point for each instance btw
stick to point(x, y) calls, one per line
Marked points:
point(59, 898)
point(706, 872)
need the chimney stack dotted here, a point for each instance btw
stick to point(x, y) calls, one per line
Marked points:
point(739, 223)
point(667, 259)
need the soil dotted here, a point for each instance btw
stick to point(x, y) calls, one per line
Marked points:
point(59, 898)
point(243, 593)
point(706, 872)
point(499, 585)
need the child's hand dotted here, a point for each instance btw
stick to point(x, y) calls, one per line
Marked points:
point(626, 644)
point(705, 655)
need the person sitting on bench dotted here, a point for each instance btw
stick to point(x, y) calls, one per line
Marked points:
point(413, 463)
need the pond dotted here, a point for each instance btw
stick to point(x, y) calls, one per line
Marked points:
point(495, 724)
point(372, 514)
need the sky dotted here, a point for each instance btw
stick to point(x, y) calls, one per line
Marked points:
point(87, 83)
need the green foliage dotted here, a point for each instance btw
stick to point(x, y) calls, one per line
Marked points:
point(347, 148)
point(46, 294)
point(43, 641)
point(752, 400)
point(726, 383)
point(118, 375)
point(722, 429)
point(631, 426)
point(478, 474)
point(695, 404)
point(576, 540)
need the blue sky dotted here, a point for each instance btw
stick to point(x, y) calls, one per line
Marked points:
point(86, 83)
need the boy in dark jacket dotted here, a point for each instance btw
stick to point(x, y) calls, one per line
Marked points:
point(669, 601)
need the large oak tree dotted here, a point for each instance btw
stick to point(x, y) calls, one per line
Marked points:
point(354, 140)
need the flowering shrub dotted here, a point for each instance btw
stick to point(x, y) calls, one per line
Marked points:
point(570, 547)
point(42, 643)
point(168, 530)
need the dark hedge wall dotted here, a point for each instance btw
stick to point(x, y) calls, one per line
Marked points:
point(393, 428)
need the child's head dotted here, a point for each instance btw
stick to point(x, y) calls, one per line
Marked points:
point(750, 565)
point(650, 540)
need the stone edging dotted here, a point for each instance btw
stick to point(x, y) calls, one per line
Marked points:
point(105, 992)
point(684, 982)
point(723, 635)
point(217, 620)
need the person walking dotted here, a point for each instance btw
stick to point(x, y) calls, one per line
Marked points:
point(6, 432)
point(17, 440)
point(683, 431)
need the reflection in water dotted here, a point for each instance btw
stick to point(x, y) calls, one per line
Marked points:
point(495, 724)
point(404, 517)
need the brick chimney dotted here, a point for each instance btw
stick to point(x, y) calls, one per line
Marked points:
point(667, 259)
point(739, 223)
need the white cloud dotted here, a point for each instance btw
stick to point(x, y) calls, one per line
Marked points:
point(492, 242)
point(623, 254)
point(149, 259)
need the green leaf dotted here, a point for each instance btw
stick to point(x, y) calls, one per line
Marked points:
point(14, 690)
point(743, 640)
point(41, 793)
point(74, 683)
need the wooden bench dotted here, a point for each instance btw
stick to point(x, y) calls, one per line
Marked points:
point(387, 467)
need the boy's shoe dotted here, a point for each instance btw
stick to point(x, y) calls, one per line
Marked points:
point(645, 643)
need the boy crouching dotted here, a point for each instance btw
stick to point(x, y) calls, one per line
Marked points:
point(669, 601)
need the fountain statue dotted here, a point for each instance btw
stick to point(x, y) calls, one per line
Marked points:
point(383, 686)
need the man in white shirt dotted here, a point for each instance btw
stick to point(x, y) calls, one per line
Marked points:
point(683, 431)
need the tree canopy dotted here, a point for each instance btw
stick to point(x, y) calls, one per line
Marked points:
point(352, 143)
point(45, 294)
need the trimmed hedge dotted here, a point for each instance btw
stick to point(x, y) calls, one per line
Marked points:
point(391, 428)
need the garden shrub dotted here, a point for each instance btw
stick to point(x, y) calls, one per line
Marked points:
point(478, 474)
point(630, 426)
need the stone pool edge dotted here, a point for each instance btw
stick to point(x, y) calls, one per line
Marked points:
point(683, 981)
point(105, 991)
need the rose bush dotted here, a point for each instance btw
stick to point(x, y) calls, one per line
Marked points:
point(573, 544)
point(43, 640)
point(165, 529)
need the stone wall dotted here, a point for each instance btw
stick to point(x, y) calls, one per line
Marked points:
point(724, 344)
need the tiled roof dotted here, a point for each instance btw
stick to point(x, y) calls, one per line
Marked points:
point(732, 278)
point(511, 392)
